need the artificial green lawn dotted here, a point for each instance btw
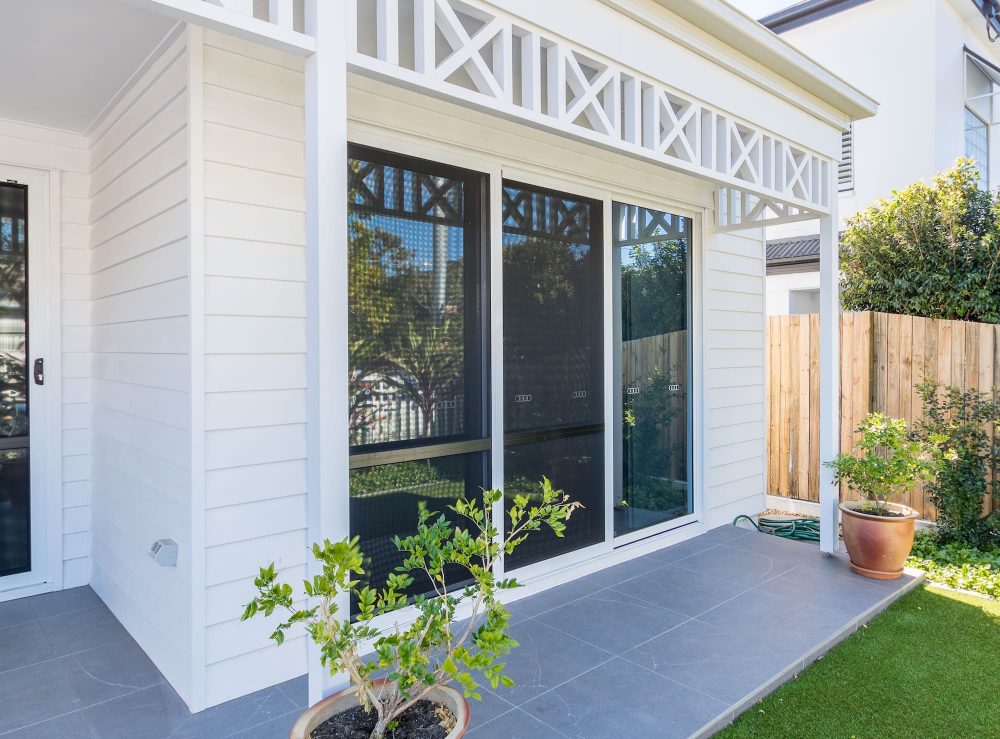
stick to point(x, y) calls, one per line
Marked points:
point(927, 667)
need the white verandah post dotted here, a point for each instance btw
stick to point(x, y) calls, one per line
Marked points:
point(326, 290)
point(829, 371)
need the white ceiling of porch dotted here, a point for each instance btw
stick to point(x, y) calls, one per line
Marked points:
point(62, 61)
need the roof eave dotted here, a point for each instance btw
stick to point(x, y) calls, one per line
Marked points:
point(762, 45)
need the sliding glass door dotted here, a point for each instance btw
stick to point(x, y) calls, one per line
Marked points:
point(652, 277)
point(553, 358)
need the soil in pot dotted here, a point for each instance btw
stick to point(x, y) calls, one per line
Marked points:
point(423, 720)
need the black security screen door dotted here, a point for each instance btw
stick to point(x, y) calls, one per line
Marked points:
point(418, 364)
point(553, 359)
point(652, 271)
point(15, 506)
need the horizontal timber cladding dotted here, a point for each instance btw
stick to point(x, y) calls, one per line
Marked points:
point(255, 352)
point(883, 357)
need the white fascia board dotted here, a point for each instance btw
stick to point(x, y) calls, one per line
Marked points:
point(748, 37)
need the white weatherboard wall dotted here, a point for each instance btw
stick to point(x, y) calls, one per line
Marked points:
point(255, 343)
point(140, 342)
point(734, 436)
point(67, 154)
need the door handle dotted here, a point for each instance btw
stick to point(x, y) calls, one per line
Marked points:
point(39, 372)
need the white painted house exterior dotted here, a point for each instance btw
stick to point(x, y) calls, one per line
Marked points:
point(933, 68)
point(188, 277)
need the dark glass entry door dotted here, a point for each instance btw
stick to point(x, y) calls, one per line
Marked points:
point(553, 359)
point(15, 504)
point(652, 268)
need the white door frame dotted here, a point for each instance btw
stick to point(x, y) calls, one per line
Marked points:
point(44, 401)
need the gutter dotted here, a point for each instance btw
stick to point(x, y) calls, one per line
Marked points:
point(806, 12)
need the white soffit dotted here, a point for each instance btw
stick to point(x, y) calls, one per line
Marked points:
point(65, 60)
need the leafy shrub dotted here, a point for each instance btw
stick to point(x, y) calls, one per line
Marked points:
point(961, 419)
point(956, 565)
point(890, 462)
point(431, 650)
point(932, 249)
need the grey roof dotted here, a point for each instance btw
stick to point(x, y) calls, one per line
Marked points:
point(796, 248)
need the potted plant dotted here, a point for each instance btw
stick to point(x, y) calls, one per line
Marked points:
point(418, 659)
point(879, 534)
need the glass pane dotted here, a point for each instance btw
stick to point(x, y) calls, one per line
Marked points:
point(385, 500)
point(553, 358)
point(13, 311)
point(977, 143)
point(573, 464)
point(15, 512)
point(652, 266)
point(412, 314)
point(551, 311)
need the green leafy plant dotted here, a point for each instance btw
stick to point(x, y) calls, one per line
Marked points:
point(889, 462)
point(430, 650)
point(956, 565)
point(963, 421)
point(932, 249)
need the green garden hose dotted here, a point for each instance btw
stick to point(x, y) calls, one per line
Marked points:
point(800, 529)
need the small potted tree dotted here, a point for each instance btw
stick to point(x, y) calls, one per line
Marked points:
point(878, 533)
point(402, 688)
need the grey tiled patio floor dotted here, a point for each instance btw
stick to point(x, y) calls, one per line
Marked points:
point(675, 643)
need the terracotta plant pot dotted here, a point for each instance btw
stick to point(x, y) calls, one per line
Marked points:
point(347, 699)
point(878, 545)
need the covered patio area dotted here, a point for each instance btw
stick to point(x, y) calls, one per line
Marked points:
point(675, 643)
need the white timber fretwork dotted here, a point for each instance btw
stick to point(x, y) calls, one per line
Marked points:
point(472, 52)
point(273, 23)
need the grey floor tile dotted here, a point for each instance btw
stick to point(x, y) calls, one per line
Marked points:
point(740, 566)
point(684, 591)
point(625, 571)
point(532, 605)
point(849, 595)
point(151, 712)
point(78, 630)
point(770, 544)
point(620, 699)
point(35, 693)
point(725, 663)
point(15, 612)
point(727, 533)
point(487, 709)
point(684, 549)
point(64, 601)
point(515, 725)
point(237, 715)
point(121, 663)
point(297, 691)
point(276, 728)
point(23, 644)
point(612, 620)
point(545, 658)
point(792, 621)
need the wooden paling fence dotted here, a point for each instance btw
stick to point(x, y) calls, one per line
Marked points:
point(883, 357)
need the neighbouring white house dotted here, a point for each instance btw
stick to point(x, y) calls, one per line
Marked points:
point(935, 70)
point(277, 271)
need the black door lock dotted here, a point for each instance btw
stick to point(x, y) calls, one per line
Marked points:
point(39, 371)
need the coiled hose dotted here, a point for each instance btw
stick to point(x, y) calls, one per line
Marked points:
point(800, 529)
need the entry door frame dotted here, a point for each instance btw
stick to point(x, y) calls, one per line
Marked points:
point(44, 401)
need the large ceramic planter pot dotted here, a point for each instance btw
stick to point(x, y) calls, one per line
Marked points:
point(878, 545)
point(347, 699)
